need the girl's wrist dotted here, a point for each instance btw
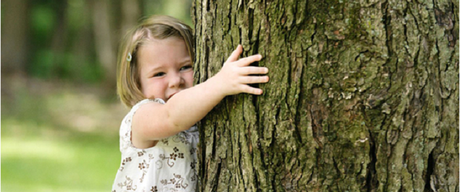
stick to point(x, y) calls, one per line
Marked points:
point(216, 84)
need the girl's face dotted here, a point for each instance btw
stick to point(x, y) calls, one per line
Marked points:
point(165, 68)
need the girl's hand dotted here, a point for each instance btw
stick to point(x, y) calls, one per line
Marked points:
point(190, 105)
point(235, 75)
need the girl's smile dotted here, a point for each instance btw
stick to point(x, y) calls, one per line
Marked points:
point(165, 68)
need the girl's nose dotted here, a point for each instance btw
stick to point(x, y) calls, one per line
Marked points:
point(175, 80)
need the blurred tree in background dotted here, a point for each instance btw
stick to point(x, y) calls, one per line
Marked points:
point(74, 40)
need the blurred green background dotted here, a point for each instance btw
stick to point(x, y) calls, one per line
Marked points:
point(59, 111)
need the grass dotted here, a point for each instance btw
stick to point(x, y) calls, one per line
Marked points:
point(58, 137)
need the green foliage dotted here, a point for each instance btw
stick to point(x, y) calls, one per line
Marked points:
point(43, 20)
point(57, 51)
point(79, 15)
point(178, 8)
point(47, 64)
point(42, 64)
point(62, 44)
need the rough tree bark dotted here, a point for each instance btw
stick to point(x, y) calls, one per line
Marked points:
point(363, 96)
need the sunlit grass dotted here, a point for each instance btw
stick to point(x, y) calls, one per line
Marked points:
point(60, 141)
point(35, 164)
point(38, 164)
point(70, 163)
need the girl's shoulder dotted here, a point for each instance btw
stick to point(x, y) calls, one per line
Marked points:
point(140, 103)
point(125, 127)
point(128, 118)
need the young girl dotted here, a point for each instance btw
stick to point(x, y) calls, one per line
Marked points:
point(155, 78)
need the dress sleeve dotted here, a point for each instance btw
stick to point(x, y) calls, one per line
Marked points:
point(125, 128)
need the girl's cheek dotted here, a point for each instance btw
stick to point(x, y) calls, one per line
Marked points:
point(158, 83)
point(190, 79)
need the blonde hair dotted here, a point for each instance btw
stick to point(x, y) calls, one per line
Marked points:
point(155, 27)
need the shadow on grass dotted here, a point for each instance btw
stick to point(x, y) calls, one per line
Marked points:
point(58, 137)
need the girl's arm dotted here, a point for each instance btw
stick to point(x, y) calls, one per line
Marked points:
point(154, 121)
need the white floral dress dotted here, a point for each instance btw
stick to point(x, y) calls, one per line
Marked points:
point(168, 166)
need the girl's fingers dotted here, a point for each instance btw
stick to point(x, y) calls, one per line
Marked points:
point(252, 90)
point(240, 68)
point(254, 70)
point(248, 60)
point(235, 54)
point(254, 79)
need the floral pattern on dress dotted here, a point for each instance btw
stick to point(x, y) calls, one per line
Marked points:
point(128, 184)
point(169, 166)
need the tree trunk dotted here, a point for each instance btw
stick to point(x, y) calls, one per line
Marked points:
point(15, 44)
point(130, 15)
point(105, 49)
point(363, 96)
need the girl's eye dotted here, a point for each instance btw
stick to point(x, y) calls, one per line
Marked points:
point(185, 67)
point(159, 74)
